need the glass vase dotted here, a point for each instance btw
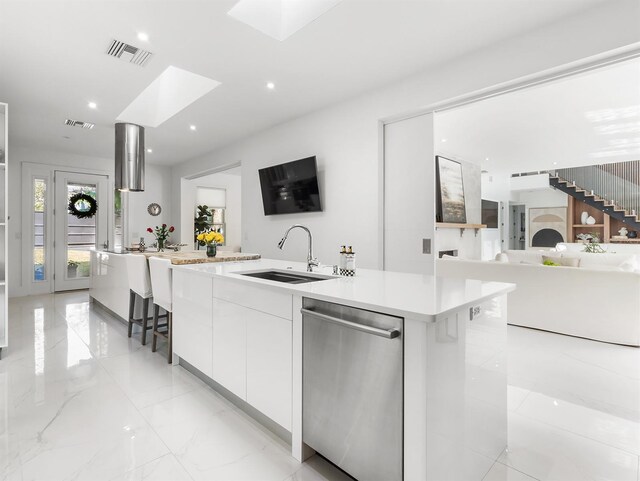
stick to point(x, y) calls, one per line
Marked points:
point(160, 245)
point(211, 250)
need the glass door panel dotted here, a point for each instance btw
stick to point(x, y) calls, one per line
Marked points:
point(81, 231)
point(39, 229)
point(81, 225)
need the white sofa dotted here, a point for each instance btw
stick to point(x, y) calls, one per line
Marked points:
point(597, 302)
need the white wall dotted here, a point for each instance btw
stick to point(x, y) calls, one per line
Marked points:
point(409, 200)
point(346, 137)
point(233, 211)
point(547, 197)
point(158, 187)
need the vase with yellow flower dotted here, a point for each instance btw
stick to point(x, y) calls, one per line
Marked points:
point(211, 239)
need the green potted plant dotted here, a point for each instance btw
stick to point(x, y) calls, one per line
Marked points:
point(593, 246)
point(72, 268)
point(202, 222)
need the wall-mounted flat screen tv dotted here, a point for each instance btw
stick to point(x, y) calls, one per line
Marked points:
point(291, 187)
point(490, 213)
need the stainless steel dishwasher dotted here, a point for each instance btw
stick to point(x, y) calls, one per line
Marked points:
point(352, 388)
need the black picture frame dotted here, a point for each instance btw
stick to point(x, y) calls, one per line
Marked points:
point(450, 201)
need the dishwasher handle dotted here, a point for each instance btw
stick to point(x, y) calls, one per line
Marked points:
point(388, 334)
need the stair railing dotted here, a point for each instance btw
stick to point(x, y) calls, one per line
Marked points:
point(618, 183)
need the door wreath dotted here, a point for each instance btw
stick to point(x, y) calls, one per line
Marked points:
point(82, 206)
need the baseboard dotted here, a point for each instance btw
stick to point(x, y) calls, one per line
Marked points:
point(249, 410)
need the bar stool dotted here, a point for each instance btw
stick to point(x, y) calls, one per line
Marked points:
point(161, 280)
point(139, 286)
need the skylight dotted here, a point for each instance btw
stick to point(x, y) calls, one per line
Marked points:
point(173, 90)
point(280, 18)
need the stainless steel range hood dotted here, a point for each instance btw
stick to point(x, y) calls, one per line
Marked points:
point(129, 157)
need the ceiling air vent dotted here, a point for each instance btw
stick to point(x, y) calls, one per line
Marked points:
point(129, 53)
point(79, 123)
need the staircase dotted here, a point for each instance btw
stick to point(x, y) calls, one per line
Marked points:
point(611, 188)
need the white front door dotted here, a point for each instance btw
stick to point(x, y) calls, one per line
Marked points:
point(76, 234)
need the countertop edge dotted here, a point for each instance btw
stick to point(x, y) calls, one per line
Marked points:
point(297, 290)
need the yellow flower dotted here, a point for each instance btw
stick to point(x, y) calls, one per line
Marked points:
point(211, 237)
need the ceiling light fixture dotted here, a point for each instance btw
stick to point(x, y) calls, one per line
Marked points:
point(93, 105)
point(150, 151)
point(192, 127)
point(486, 158)
point(444, 140)
point(143, 37)
point(271, 85)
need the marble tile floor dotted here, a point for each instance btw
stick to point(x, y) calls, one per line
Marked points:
point(81, 401)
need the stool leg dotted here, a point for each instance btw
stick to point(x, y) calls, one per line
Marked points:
point(170, 336)
point(132, 304)
point(154, 331)
point(145, 316)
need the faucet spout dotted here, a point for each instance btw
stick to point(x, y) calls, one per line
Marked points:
point(311, 260)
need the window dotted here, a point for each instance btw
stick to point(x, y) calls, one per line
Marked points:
point(39, 229)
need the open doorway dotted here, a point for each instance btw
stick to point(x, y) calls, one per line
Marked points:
point(544, 151)
point(517, 226)
point(212, 202)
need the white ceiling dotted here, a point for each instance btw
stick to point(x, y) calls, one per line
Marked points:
point(586, 119)
point(53, 62)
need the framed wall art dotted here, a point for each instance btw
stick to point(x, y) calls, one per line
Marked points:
point(450, 205)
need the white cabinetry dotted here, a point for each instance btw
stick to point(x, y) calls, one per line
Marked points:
point(4, 157)
point(192, 320)
point(269, 366)
point(230, 346)
point(109, 282)
point(252, 346)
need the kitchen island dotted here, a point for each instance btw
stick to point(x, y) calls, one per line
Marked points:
point(110, 284)
point(243, 333)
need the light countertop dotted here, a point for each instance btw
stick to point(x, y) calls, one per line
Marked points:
point(421, 297)
point(192, 257)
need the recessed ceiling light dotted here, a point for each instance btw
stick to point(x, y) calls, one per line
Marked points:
point(271, 85)
point(93, 105)
point(150, 151)
point(143, 37)
point(555, 163)
point(192, 127)
point(444, 140)
point(486, 158)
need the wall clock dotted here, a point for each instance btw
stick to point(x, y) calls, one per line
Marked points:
point(154, 209)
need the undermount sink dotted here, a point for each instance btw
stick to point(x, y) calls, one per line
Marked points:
point(286, 276)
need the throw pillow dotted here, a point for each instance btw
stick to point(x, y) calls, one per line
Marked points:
point(502, 257)
point(562, 261)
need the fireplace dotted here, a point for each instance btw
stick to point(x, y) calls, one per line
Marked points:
point(546, 238)
point(453, 253)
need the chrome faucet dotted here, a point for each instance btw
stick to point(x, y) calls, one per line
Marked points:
point(311, 261)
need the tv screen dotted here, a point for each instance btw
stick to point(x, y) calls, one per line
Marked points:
point(490, 213)
point(291, 187)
